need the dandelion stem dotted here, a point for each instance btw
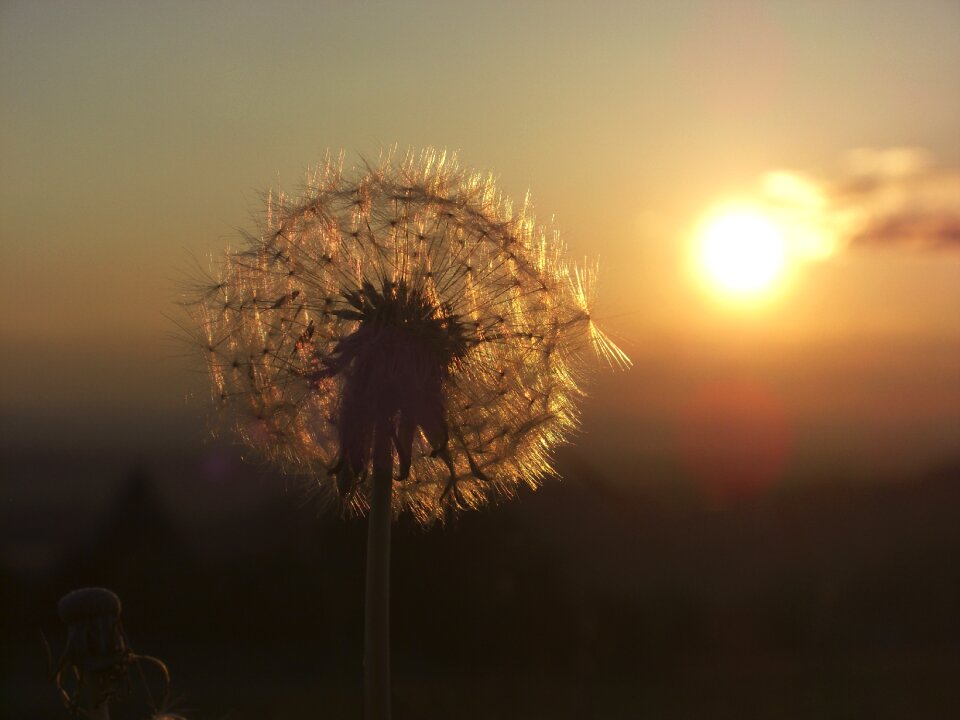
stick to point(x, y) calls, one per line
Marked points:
point(376, 664)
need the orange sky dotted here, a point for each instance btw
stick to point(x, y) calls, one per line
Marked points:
point(134, 135)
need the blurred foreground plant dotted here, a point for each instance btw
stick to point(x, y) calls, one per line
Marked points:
point(407, 338)
point(98, 655)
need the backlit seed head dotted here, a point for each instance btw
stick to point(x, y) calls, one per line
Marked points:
point(410, 298)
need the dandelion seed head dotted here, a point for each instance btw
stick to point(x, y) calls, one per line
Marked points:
point(410, 299)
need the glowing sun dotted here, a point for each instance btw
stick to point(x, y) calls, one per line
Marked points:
point(742, 252)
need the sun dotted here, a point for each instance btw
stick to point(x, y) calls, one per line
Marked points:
point(742, 252)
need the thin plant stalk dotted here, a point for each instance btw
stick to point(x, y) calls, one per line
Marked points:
point(376, 663)
point(93, 703)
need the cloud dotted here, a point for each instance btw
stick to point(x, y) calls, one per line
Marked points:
point(889, 163)
point(882, 198)
point(916, 229)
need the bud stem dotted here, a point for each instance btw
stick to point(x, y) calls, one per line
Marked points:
point(376, 663)
point(93, 698)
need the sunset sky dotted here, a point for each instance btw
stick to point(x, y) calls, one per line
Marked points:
point(135, 137)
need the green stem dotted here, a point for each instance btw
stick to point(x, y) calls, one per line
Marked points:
point(376, 662)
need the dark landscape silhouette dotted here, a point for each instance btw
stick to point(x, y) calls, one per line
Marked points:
point(828, 600)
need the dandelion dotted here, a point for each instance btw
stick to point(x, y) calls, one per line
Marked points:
point(406, 337)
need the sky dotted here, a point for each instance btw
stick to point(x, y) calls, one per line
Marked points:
point(138, 137)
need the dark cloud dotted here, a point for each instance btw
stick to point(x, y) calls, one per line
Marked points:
point(883, 198)
point(919, 230)
point(897, 197)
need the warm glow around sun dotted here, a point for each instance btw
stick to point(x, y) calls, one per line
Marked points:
point(741, 252)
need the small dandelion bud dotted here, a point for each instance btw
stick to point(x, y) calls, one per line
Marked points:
point(97, 654)
point(95, 639)
point(96, 649)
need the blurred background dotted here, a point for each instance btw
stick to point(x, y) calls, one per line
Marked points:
point(759, 520)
